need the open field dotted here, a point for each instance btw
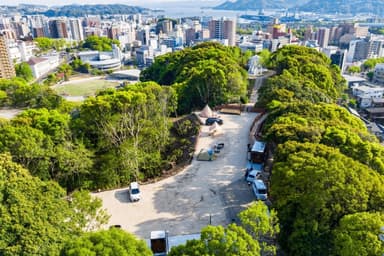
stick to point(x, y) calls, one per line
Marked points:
point(84, 87)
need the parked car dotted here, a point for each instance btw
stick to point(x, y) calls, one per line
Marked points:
point(211, 120)
point(251, 175)
point(259, 189)
point(134, 192)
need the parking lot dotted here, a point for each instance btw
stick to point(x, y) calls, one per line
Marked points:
point(206, 192)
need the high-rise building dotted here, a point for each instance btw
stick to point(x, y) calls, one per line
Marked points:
point(143, 35)
point(7, 69)
point(323, 37)
point(77, 32)
point(58, 29)
point(223, 29)
point(166, 26)
point(339, 58)
point(365, 49)
point(190, 36)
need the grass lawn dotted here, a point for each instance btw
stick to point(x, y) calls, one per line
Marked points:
point(83, 88)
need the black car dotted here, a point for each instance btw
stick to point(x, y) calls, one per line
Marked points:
point(211, 120)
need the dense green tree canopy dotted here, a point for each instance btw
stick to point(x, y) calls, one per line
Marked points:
point(328, 168)
point(262, 224)
point(314, 186)
point(44, 43)
point(18, 93)
point(371, 63)
point(358, 235)
point(24, 71)
point(207, 73)
point(112, 242)
point(311, 68)
point(99, 43)
point(354, 69)
point(128, 129)
point(217, 241)
point(41, 141)
point(35, 216)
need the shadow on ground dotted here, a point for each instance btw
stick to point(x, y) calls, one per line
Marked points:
point(122, 196)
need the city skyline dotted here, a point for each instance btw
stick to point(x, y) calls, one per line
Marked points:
point(134, 2)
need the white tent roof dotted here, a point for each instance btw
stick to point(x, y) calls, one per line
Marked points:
point(214, 126)
point(206, 112)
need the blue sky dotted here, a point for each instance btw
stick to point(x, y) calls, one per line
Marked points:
point(128, 2)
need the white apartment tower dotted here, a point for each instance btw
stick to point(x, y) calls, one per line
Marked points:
point(76, 27)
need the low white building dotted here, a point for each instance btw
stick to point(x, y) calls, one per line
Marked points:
point(378, 76)
point(103, 60)
point(365, 94)
point(43, 65)
point(21, 51)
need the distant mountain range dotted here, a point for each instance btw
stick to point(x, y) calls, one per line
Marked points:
point(82, 10)
point(345, 6)
point(316, 6)
point(259, 4)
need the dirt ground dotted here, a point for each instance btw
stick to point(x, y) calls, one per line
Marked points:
point(206, 192)
point(9, 113)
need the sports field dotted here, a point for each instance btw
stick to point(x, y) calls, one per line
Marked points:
point(86, 87)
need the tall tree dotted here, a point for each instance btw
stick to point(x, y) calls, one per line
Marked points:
point(36, 217)
point(24, 71)
point(217, 241)
point(359, 235)
point(112, 242)
point(314, 186)
point(263, 225)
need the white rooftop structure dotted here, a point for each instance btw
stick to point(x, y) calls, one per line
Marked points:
point(258, 146)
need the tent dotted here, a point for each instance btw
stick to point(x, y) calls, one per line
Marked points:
point(215, 128)
point(206, 112)
point(205, 155)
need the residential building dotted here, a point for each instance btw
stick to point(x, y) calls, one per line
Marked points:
point(323, 37)
point(365, 94)
point(367, 48)
point(77, 32)
point(339, 58)
point(378, 76)
point(58, 28)
point(223, 29)
point(41, 66)
point(7, 69)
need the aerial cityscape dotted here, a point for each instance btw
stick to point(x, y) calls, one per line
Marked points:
point(212, 127)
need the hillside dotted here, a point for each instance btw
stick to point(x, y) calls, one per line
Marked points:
point(343, 6)
point(258, 4)
point(82, 10)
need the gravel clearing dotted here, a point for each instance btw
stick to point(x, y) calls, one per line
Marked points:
point(203, 193)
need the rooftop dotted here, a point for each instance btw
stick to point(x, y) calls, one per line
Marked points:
point(35, 60)
point(258, 146)
point(375, 110)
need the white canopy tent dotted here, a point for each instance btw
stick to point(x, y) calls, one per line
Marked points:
point(206, 112)
point(215, 129)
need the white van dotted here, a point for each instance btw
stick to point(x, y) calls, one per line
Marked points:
point(259, 189)
point(134, 192)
